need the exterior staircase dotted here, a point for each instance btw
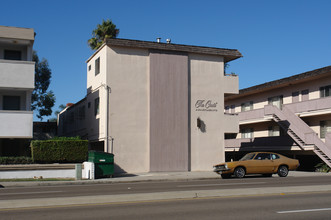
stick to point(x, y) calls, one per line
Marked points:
point(300, 132)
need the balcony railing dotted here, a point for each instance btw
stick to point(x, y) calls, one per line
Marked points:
point(16, 74)
point(16, 124)
point(299, 107)
point(231, 123)
point(231, 84)
point(271, 143)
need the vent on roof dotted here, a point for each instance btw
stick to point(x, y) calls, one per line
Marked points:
point(168, 41)
point(158, 39)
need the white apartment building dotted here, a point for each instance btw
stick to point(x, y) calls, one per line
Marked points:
point(291, 116)
point(16, 86)
point(156, 106)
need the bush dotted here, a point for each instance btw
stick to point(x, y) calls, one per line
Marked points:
point(16, 160)
point(66, 138)
point(59, 151)
point(322, 167)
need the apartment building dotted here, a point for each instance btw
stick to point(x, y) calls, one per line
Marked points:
point(290, 116)
point(16, 86)
point(156, 106)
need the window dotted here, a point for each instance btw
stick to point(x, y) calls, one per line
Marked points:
point(227, 109)
point(325, 91)
point(276, 101)
point(233, 109)
point(262, 156)
point(305, 95)
point(274, 156)
point(274, 131)
point(89, 105)
point(13, 55)
point(247, 106)
point(96, 106)
point(247, 133)
point(97, 66)
point(11, 103)
point(325, 127)
point(89, 67)
point(295, 97)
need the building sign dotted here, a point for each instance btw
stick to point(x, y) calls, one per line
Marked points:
point(206, 105)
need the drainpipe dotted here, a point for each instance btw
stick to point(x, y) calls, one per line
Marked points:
point(107, 118)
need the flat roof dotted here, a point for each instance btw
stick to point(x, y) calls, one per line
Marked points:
point(16, 33)
point(228, 54)
point(295, 79)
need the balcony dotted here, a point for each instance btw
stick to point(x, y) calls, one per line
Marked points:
point(263, 144)
point(231, 84)
point(303, 109)
point(311, 107)
point(16, 74)
point(231, 123)
point(16, 124)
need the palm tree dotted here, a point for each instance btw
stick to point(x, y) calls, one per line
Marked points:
point(103, 31)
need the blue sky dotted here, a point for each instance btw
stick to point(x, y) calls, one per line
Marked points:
point(277, 38)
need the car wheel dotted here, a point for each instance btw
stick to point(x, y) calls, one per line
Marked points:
point(282, 171)
point(239, 172)
point(267, 175)
point(225, 176)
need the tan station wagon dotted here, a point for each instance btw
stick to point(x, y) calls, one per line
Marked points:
point(265, 163)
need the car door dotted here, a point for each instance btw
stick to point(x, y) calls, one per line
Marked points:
point(261, 163)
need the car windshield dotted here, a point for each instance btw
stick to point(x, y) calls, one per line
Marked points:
point(248, 157)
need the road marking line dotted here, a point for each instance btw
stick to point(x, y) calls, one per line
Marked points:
point(225, 184)
point(304, 210)
point(26, 193)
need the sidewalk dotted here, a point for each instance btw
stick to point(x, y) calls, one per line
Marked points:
point(146, 177)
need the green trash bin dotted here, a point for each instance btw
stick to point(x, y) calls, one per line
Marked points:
point(103, 163)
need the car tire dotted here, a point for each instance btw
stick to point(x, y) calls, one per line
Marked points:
point(225, 176)
point(282, 171)
point(239, 172)
point(267, 175)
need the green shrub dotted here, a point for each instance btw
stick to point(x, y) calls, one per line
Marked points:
point(59, 151)
point(16, 160)
point(66, 138)
point(322, 167)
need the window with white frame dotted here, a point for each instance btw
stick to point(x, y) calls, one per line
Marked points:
point(325, 127)
point(247, 133)
point(96, 106)
point(274, 131)
point(276, 101)
point(247, 106)
point(97, 66)
point(325, 91)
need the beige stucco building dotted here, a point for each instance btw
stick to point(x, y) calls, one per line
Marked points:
point(16, 86)
point(156, 106)
point(291, 116)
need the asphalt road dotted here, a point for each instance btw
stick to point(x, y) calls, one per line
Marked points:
point(163, 186)
point(291, 206)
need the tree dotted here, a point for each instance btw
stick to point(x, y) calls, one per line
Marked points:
point(107, 29)
point(61, 107)
point(42, 100)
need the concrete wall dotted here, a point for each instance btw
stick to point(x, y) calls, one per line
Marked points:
point(128, 78)
point(206, 86)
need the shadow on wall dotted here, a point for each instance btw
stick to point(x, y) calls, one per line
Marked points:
point(201, 125)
